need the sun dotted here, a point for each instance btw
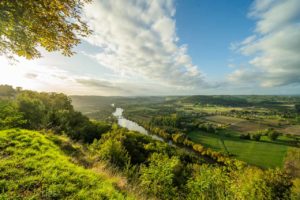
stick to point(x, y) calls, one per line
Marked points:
point(14, 73)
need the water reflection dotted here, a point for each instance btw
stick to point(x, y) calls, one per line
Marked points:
point(130, 125)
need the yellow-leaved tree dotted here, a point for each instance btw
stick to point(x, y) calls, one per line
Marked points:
point(55, 25)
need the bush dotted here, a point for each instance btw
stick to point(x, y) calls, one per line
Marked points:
point(112, 151)
point(10, 117)
point(256, 136)
point(245, 136)
point(207, 183)
point(273, 135)
point(158, 178)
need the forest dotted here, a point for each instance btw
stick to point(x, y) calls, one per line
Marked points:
point(50, 150)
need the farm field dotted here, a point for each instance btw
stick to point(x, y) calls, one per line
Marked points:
point(295, 129)
point(218, 122)
point(263, 153)
point(225, 119)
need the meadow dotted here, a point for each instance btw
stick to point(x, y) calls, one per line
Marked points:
point(264, 153)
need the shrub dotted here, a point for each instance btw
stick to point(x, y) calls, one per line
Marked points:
point(114, 152)
point(245, 136)
point(158, 178)
point(272, 134)
point(256, 136)
point(207, 183)
point(178, 138)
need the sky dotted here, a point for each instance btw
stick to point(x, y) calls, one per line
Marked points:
point(174, 47)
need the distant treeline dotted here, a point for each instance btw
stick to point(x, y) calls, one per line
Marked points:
point(242, 101)
point(36, 111)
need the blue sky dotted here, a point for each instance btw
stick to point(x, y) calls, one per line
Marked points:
point(172, 47)
point(208, 27)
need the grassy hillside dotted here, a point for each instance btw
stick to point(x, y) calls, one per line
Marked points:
point(34, 167)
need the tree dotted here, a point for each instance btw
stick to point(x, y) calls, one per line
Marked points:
point(112, 151)
point(245, 136)
point(10, 116)
point(272, 134)
point(53, 25)
point(249, 183)
point(7, 91)
point(178, 138)
point(207, 183)
point(157, 179)
point(33, 111)
point(297, 108)
point(256, 136)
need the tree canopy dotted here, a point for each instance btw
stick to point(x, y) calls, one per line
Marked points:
point(55, 25)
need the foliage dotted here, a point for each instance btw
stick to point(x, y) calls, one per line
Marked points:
point(250, 184)
point(179, 138)
point(7, 91)
point(292, 162)
point(33, 110)
point(157, 179)
point(245, 136)
point(35, 165)
point(112, 151)
point(208, 127)
point(10, 117)
point(207, 183)
point(172, 121)
point(297, 108)
point(256, 136)
point(27, 24)
point(272, 134)
point(279, 183)
point(296, 189)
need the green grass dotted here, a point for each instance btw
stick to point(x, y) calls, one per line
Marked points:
point(264, 153)
point(33, 167)
point(207, 109)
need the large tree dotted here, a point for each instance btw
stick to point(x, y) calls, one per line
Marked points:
point(55, 25)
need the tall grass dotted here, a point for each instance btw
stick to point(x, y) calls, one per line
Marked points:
point(34, 167)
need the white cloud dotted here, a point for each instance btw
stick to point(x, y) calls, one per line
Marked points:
point(275, 46)
point(138, 38)
point(46, 77)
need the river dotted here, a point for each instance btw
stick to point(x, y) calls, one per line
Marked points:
point(130, 125)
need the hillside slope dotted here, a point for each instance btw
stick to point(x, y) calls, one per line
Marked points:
point(33, 167)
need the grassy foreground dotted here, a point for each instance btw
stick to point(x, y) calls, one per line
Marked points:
point(33, 167)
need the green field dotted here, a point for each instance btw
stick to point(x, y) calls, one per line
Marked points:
point(263, 153)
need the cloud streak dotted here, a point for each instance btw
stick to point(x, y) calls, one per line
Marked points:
point(101, 85)
point(138, 38)
point(274, 47)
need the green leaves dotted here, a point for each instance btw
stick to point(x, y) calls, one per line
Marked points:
point(54, 25)
point(157, 179)
point(207, 183)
